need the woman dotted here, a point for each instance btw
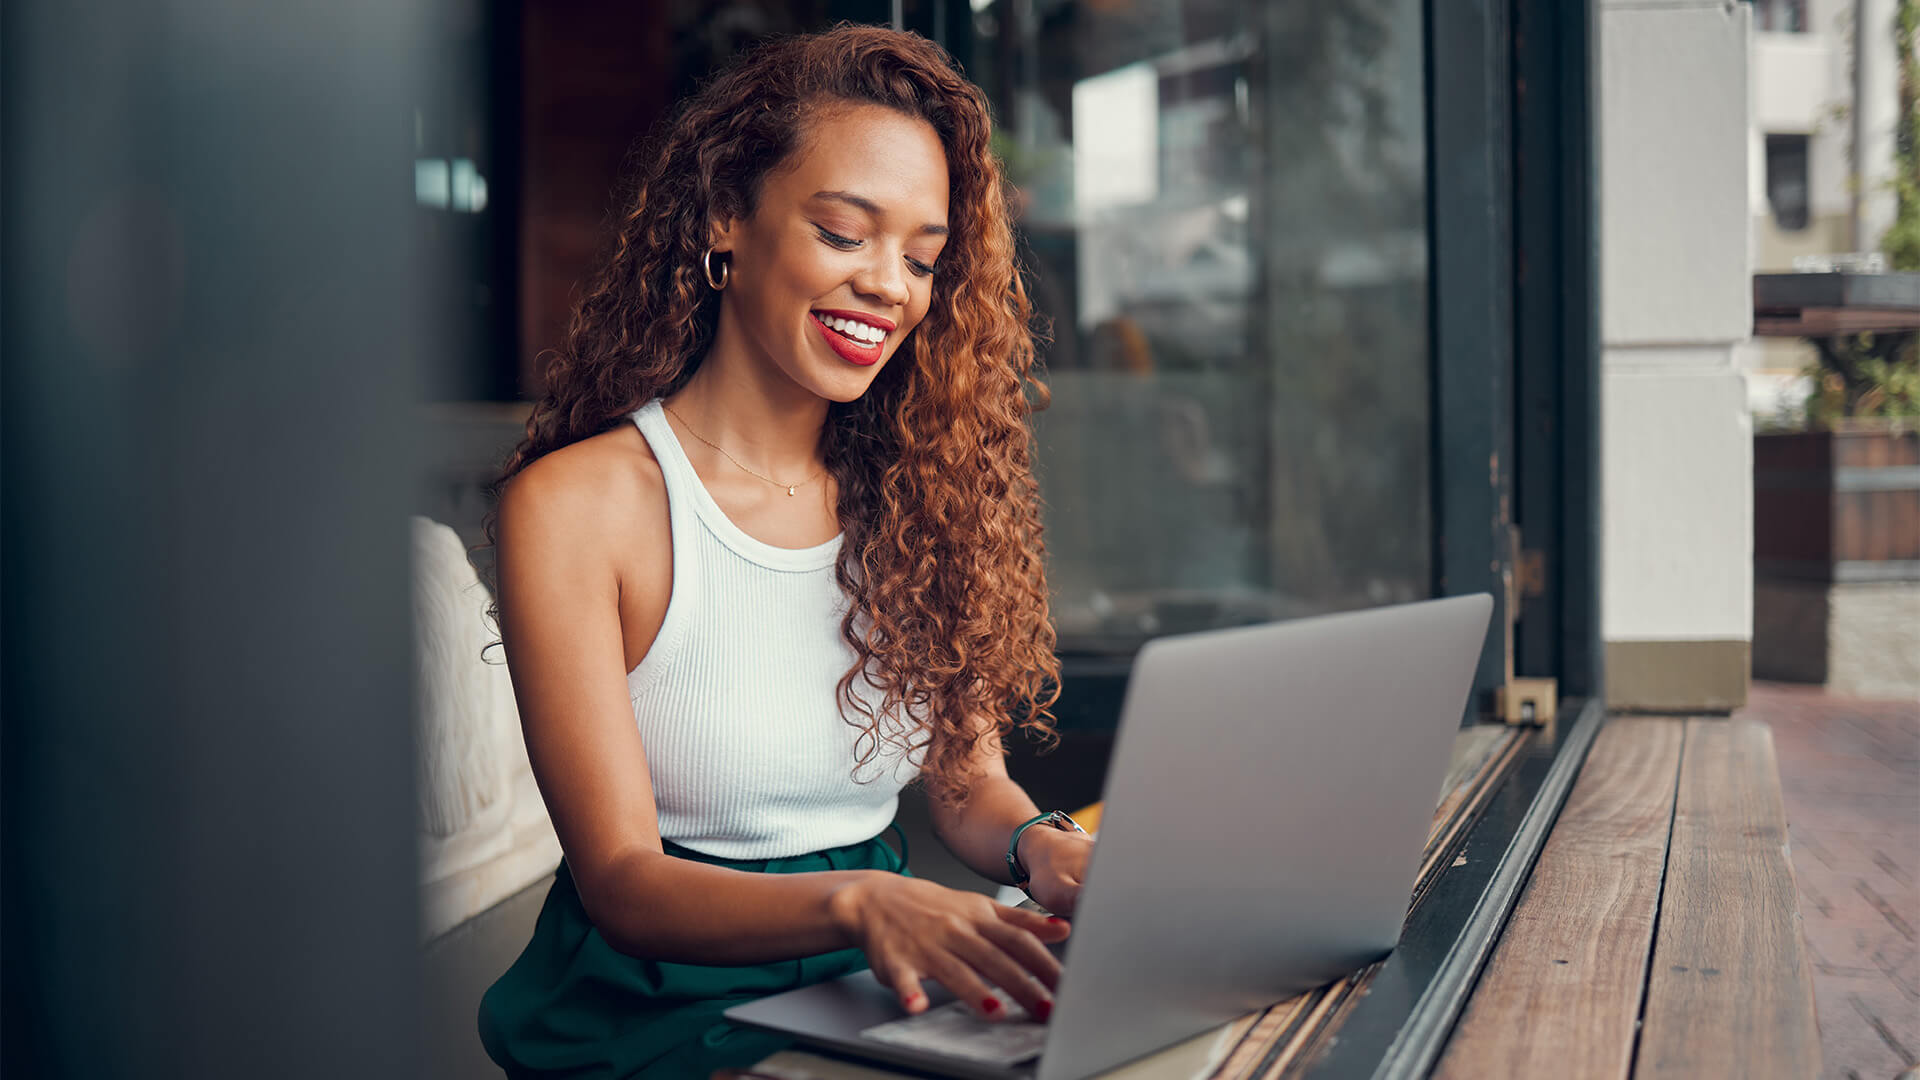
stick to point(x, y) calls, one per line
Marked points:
point(770, 551)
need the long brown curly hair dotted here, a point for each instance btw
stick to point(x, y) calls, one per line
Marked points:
point(942, 559)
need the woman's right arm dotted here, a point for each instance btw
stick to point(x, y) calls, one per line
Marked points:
point(566, 524)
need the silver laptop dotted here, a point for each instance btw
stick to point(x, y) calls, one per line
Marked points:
point(1266, 809)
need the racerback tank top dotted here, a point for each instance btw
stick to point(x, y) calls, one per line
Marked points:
point(736, 700)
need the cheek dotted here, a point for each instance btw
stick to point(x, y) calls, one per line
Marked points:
point(794, 271)
point(918, 313)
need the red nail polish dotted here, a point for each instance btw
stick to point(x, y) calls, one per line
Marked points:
point(990, 1005)
point(1042, 1011)
point(1056, 920)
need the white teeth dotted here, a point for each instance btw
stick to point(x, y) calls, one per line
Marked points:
point(857, 330)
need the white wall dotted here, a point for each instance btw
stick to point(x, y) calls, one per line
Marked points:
point(1792, 80)
point(1676, 441)
point(1801, 87)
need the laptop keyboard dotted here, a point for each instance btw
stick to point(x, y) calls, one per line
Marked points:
point(954, 1031)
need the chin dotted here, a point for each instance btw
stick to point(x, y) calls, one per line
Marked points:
point(844, 389)
point(843, 383)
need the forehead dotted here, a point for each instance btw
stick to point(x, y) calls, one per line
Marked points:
point(891, 159)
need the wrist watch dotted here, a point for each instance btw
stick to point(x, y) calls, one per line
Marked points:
point(1059, 819)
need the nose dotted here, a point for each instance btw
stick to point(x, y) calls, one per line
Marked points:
point(884, 279)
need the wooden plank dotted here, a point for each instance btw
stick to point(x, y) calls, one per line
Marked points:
point(1730, 992)
point(1461, 810)
point(1472, 746)
point(1272, 1025)
point(1282, 1063)
point(1561, 992)
point(1252, 1032)
point(1460, 806)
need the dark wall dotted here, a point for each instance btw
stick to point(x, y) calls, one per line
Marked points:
point(594, 79)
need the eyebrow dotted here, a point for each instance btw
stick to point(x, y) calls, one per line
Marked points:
point(873, 208)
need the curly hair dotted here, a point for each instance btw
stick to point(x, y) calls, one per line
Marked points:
point(943, 559)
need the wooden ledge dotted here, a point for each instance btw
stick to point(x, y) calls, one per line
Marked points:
point(1659, 935)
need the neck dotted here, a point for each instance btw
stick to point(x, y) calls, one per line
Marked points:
point(753, 410)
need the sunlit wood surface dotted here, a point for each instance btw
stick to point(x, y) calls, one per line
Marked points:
point(1663, 901)
point(1729, 991)
point(1573, 957)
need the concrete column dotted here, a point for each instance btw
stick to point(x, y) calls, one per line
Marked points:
point(1676, 305)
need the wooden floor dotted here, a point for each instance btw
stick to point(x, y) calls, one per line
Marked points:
point(1850, 779)
point(1659, 934)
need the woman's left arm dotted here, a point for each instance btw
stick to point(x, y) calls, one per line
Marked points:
point(977, 832)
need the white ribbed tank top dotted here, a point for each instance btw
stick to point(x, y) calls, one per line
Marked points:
point(736, 699)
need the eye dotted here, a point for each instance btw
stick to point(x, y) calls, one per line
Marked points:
point(920, 269)
point(841, 242)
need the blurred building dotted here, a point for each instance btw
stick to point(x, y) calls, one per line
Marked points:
point(1825, 81)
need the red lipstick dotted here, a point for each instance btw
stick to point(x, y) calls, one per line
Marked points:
point(853, 352)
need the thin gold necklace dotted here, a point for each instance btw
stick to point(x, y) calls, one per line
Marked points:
point(790, 487)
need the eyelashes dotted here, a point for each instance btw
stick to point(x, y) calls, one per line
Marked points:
point(841, 242)
point(920, 269)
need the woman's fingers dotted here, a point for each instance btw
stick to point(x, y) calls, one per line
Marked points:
point(905, 982)
point(950, 971)
point(1027, 951)
point(1047, 928)
point(967, 944)
point(989, 959)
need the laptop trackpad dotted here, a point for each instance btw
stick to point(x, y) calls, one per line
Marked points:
point(953, 1030)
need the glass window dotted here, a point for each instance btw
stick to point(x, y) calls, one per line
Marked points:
point(1781, 16)
point(1223, 209)
point(463, 210)
point(1787, 180)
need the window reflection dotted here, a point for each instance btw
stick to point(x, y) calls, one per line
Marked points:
point(1222, 206)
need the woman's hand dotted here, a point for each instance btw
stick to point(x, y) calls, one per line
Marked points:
point(912, 929)
point(1057, 861)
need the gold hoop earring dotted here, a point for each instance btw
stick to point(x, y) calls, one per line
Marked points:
point(726, 270)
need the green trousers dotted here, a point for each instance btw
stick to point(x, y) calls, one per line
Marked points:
point(571, 1007)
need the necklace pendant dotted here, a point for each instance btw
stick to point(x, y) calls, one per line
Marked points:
point(789, 490)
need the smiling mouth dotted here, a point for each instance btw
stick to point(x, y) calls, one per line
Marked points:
point(848, 336)
point(851, 349)
point(860, 331)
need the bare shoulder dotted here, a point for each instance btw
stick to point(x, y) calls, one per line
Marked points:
point(601, 486)
point(584, 533)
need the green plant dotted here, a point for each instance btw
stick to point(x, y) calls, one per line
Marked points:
point(1863, 375)
point(1902, 240)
